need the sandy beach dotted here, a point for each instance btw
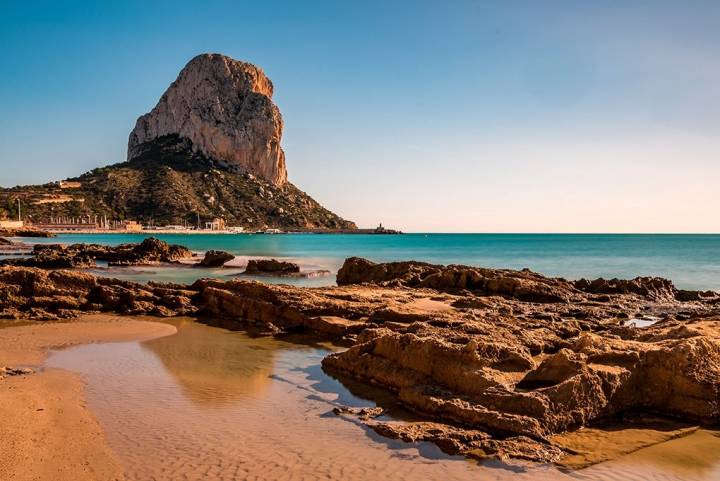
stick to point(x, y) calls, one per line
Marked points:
point(122, 428)
point(47, 430)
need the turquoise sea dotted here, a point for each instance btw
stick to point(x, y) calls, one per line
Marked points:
point(691, 261)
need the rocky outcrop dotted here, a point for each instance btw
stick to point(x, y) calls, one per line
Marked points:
point(53, 257)
point(151, 251)
point(31, 293)
point(215, 259)
point(8, 371)
point(522, 285)
point(519, 395)
point(498, 371)
point(209, 149)
point(225, 108)
point(10, 247)
point(652, 287)
point(25, 232)
point(469, 442)
point(271, 266)
point(148, 252)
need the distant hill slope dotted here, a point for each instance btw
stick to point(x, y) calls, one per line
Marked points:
point(169, 183)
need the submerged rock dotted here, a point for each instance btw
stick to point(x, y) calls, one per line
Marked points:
point(32, 293)
point(470, 442)
point(362, 413)
point(216, 259)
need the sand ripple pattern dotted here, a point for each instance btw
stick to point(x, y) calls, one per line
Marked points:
point(213, 405)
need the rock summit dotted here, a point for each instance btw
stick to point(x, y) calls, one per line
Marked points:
point(225, 108)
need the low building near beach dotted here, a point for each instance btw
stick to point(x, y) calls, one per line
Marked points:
point(11, 224)
point(131, 226)
point(217, 223)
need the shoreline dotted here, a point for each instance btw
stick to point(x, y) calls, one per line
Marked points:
point(218, 232)
point(692, 262)
point(494, 361)
point(48, 432)
point(51, 433)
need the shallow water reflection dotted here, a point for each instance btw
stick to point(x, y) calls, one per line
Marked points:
point(212, 404)
point(212, 367)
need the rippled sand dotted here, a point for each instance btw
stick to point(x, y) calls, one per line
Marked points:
point(46, 431)
point(216, 405)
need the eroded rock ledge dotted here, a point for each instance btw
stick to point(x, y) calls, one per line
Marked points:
point(501, 360)
point(151, 251)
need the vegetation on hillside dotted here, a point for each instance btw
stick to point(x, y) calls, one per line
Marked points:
point(170, 184)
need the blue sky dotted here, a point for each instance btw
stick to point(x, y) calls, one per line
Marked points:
point(476, 116)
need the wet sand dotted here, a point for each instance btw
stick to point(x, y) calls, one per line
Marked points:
point(147, 400)
point(218, 405)
point(47, 431)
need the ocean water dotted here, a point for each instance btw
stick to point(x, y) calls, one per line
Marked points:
point(692, 261)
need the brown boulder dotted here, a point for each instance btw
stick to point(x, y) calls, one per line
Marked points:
point(148, 252)
point(651, 287)
point(271, 266)
point(56, 256)
point(215, 259)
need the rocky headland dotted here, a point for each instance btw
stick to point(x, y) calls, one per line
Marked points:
point(224, 108)
point(271, 266)
point(500, 363)
point(210, 149)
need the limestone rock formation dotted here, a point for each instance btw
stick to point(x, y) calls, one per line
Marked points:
point(210, 149)
point(225, 108)
point(25, 232)
point(523, 285)
point(215, 259)
point(151, 251)
point(271, 266)
point(497, 365)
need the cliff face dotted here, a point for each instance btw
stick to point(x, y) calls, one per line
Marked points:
point(225, 108)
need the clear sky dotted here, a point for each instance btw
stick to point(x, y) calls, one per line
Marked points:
point(473, 116)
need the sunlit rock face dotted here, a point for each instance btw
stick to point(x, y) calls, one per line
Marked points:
point(225, 108)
